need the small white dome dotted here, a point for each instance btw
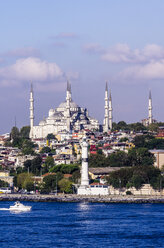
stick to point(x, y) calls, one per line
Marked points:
point(51, 112)
point(42, 123)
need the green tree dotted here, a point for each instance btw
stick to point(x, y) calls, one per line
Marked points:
point(69, 168)
point(51, 136)
point(49, 162)
point(118, 159)
point(65, 186)
point(24, 132)
point(140, 156)
point(15, 137)
point(76, 176)
point(50, 182)
point(14, 133)
point(136, 127)
point(36, 165)
point(45, 149)
point(23, 179)
point(153, 127)
point(56, 168)
point(98, 160)
point(28, 147)
point(136, 176)
point(3, 184)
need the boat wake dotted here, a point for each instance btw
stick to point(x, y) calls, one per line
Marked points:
point(4, 209)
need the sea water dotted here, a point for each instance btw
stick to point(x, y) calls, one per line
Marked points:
point(82, 225)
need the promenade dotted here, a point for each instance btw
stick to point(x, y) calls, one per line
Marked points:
point(82, 198)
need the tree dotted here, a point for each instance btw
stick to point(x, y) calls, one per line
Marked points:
point(15, 137)
point(49, 163)
point(153, 127)
point(121, 125)
point(3, 184)
point(136, 177)
point(24, 132)
point(51, 136)
point(24, 179)
point(28, 147)
point(98, 160)
point(50, 182)
point(123, 139)
point(65, 168)
point(118, 159)
point(36, 165)
point(136, 127)
point(69, 168)
point(76, 176)
point(45, 149)
point(140, 156)
point(65, 186)
point(14, 133)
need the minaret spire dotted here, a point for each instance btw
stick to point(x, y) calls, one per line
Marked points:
point(31, 111)
point(70, 93)
point(110, 111)
point(106, 117)
point(68, 100)
point(150, 109)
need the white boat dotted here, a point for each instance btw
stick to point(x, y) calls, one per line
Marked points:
point(19, 207)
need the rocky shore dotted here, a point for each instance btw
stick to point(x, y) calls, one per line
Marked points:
point(82, 198)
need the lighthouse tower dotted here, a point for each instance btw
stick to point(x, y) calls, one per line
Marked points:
point(31, 112)
point(84, 186)
point(84, 167)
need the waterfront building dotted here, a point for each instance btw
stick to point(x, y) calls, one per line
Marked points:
point(67, 117)
point(159, 157)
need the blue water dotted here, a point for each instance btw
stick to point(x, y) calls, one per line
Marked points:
point(83, 225)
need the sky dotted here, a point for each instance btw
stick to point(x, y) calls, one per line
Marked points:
point(47, 42)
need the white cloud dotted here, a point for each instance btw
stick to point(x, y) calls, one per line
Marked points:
point(30, 69)
point(149, 71)
point(46, 76)
point(121, 53)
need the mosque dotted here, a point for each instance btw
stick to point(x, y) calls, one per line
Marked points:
point(69, 117)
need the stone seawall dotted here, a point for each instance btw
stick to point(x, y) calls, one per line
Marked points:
point(78, 198)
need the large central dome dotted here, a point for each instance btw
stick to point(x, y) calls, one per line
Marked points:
point(64, 104)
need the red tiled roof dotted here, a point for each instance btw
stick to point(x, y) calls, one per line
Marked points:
point(47, 174)
point(67, 175)
point(96, 184)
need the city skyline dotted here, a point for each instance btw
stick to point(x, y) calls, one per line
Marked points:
point(88, 43)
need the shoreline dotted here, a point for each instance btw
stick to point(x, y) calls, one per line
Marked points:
point(82, 198)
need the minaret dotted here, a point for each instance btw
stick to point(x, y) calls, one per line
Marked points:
point(31, 112)
point(84, 167)
point(110, 111)
point(106, 117)
point(150, 109)
point(70, 93)
point(68, 99)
